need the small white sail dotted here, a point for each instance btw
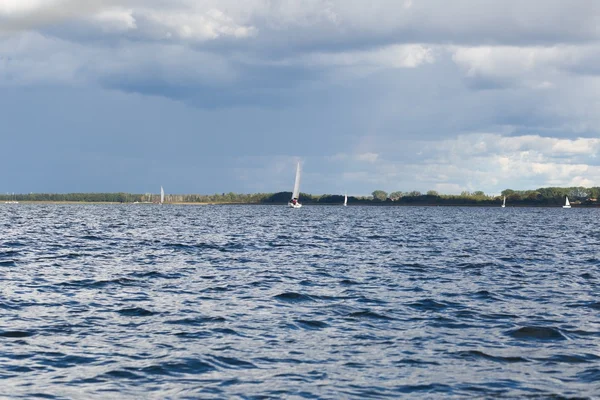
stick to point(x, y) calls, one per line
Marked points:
point(567, 204)
point(162, 195)
point(296, 191)
point(504, 202)
point(294, 203)
point(345, 200)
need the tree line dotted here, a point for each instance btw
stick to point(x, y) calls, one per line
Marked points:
point(550, 196)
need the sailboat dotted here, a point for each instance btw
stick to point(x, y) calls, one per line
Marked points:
point(162, 195)
point(345, 200)
point(504, 202)
point(296, 193)
point(13, 200)
point(567, 204)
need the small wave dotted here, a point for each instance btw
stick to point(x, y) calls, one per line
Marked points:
point(14, 244)
point(579, 332)
point(136, 312)
point(272, 360)
point(485, 295)
point(476, 266)
point(412, 361)
point(216, 289)
point(448, 323)
point(196, 321)
point(348, 282)
point(8, 263)
point(43, 396)
point(431, 388)
point(591, 375)
point(120, 374)
point(89, 283)
point(412, 267)
point(498, 316)
point(572, 358)
point(476, 354)
point(16, 334)
point(311, 325)
point(194, 247)
point(72, 360)
point(92, 237)
point(227, 331)
point(154, 275)
point(66, 256)
point(293, 297)
point(367, 300)
point(194, 335)
point(428, 305)
point(595, 305)
point(232, 362)
point(370, 315)
point(17, 368)
point(537, 333)
point(186, 366)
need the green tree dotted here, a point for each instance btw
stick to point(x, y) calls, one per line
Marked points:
point(395, 195)
point(579, 192)
point(432, 193)
point(380, 195)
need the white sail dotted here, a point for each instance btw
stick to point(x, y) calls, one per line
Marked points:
point(504, 202)
point(567, 204)
point(345, 199)
point(162, 195)
point(296, 191)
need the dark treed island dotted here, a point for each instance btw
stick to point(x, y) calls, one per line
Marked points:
point(550, 196)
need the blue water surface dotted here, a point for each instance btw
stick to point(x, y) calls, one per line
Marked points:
point(147, 301)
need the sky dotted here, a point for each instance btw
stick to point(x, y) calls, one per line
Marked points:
point(211, 96)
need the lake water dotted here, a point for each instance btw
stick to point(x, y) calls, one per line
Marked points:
point(142, 301)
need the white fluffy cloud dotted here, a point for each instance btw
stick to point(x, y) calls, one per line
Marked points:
point(536, 67)
point(488, 162)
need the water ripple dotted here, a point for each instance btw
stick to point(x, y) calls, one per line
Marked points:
point(143, 301)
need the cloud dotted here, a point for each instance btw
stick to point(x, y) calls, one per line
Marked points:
point(33, 14)
point(367, 157)
point(394, 90)
point(488, 162)
point(196, 26)
point(116, 19)
point(533, 67)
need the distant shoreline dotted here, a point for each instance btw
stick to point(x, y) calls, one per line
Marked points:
point(380, 204)
point(541, 197)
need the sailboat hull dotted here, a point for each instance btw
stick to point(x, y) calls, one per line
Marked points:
point(292, 205)
point(566, 206)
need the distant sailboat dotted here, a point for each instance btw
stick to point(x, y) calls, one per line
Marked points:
point(345, 200)
point(567, 204)
point(13, 199)
point(162, 195)
point(504, 202)
point(296, 193)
